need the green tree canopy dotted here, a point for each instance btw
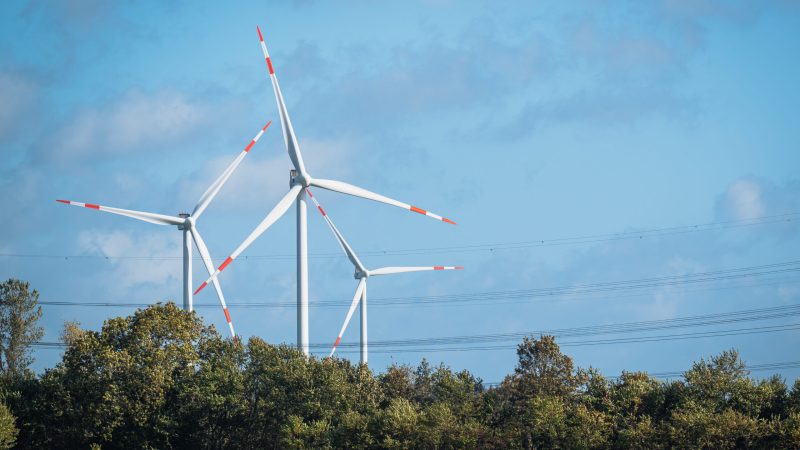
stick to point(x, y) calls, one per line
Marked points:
point(159, 378)
point(19, 328)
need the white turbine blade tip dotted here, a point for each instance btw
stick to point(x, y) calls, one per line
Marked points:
point(85, 205)
point(335, 345)
point(230, 324)
point(430, 214)
point(258, 136)
point(266, 53)
point(202, 286)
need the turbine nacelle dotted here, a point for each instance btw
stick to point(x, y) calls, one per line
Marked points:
point(299, 179)
point(300, 182)
point(359, 274)
point(188, 221)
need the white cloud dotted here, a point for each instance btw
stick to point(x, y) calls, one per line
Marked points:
point(621, 52)
point(666, 299)
point(136, 120)
point(663, 306)
point(17, 95)
point(261, 179)
point(751, 197)
point(164, 267)
point(744, 199)
point(789, 293)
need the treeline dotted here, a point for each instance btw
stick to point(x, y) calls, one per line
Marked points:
point(161, 379)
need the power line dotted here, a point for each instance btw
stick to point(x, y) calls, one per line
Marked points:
point(378, 301)
point(583, 239)
point(678, 373)
point(634, 285)
point(778, 312)
point(751, 368)
point(773, 366)
point(636, 340)
point(661, 338)
point(444, 344)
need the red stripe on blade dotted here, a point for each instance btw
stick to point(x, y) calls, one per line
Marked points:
point(261, 38)
point(250, 145)
point(227, 316)
point(89, 205)
point(335, 344)
point(438, 267)
point(321, 210)
point(445, 219)
point(266, 126)
point(271, 70)
point(64, 201)
point(200, 288)
point(459, 267)
point(225, 264)
point(417, 210)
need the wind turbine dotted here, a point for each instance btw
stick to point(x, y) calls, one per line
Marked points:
point(300, 181)
point(361, 274)
point(188, 224)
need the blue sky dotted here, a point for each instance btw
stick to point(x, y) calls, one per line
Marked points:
point(534, 121)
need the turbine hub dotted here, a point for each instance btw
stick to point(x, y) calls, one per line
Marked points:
point(301, 179)
point(359, 274)
point(188, 221)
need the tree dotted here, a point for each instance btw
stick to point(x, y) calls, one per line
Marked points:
point(8, 428)
point(161, 379)
point(120, 387)
point(19, 329)
point(718, 383)
point(543, 369)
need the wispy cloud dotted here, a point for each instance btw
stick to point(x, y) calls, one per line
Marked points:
point(18, 94)
point(129, 273)
point(135, 123)
point(263, 176)
point(596, 107)
point(749, 197)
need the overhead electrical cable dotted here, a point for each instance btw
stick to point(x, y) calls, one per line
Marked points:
point(594, 342)
point(708, 320)
point(680, 373)
point(583, 239)
point(765, 274)
point(778, 312)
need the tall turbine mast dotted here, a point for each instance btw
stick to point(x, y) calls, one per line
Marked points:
point(187, 223)
point(362, 274)
point(301, 180)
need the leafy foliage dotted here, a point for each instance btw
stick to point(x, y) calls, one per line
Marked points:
point(8, 428)
point(19, 314)
point(161, 379)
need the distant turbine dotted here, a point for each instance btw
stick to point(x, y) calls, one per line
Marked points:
point(301, 180)
point(187, 223)
point(361, 274)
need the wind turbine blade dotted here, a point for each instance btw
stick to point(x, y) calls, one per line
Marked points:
point(206, 257)
point(158, 219)
point(342, 242)
point(276, 213)
point(212, 190)
point(345, 188)
point(361, 284)
point(288, 132)
point(391, 270)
